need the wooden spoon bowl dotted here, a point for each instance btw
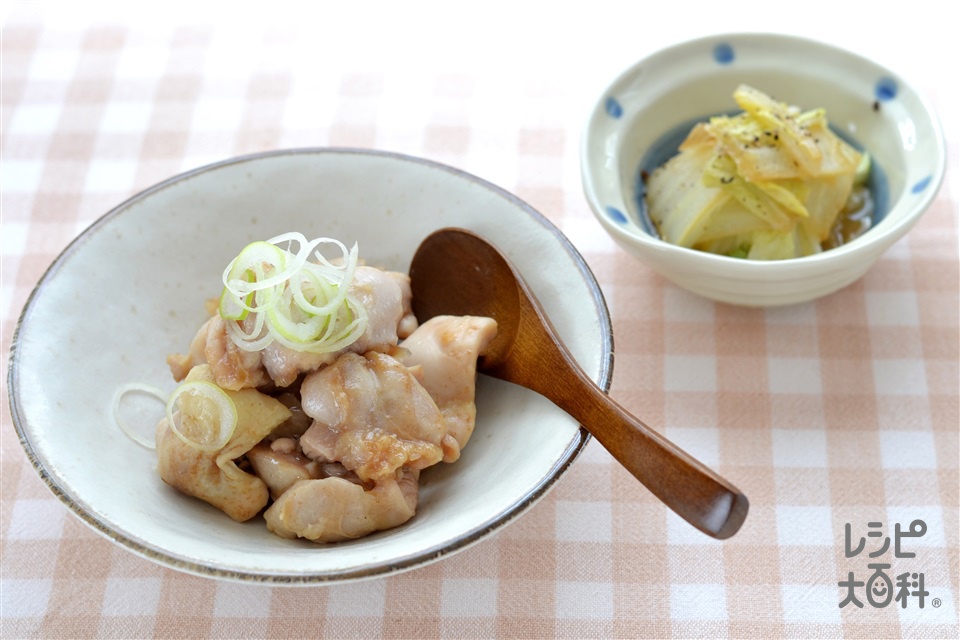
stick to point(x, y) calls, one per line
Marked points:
point(456, 272)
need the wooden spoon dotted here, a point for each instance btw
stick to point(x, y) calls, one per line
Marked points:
point(455, 272)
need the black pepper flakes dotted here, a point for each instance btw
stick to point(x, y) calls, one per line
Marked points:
point(876, 105)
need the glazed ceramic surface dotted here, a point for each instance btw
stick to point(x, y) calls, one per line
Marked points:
point(638, 118)
point(131, 289)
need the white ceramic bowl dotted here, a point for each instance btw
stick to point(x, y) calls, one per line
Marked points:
point(131, 289)
point(636, 121)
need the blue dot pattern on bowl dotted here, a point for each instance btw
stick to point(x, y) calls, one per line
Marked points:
point(886, 89)
point(921, 185)
point(616, 215)
point(614, 110)
point(723, 53)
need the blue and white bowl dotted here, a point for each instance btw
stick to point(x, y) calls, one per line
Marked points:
point(644, 114)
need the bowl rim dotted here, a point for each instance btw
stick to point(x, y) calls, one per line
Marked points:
point(173, 561)
point(878, 236)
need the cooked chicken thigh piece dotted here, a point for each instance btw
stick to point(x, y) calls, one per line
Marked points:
point(446, 349)
point(181, 363)
point(386, 297)
point(334, 509)
point(213, 476)
point(408, 322)
point(298, 422)
point(232, 367)
point(280, 464)
point(372, 415)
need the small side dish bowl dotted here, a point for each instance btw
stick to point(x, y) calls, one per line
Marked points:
point(131, 289)
point(641, 118)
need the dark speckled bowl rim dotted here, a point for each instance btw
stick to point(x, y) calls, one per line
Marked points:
point(158, 555)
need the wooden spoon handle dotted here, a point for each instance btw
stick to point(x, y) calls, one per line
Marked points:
point(690, 488)
point(693, 490)
point(528, 352)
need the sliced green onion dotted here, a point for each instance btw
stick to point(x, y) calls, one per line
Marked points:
point(121, 392)
point(281, 321)
point(259, 257)
point(251, 280)
point(322, 286)
point(305, 306)
point(212, 415)
point(339, 334)
point(256, 339)
point(230, 308)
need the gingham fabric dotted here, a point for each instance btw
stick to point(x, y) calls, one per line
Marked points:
point(839, 412)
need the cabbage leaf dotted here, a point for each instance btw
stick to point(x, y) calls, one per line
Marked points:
point(765, 184)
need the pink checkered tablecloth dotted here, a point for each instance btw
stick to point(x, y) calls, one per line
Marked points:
point(841, 411)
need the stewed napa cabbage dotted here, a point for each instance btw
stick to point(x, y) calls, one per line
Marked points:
point(767, 184)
